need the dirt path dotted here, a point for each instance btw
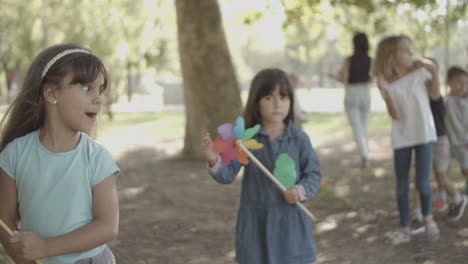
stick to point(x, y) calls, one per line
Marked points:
point(173, 212)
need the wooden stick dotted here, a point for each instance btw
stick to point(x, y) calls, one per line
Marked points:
point(268, 173)
point(8, 230)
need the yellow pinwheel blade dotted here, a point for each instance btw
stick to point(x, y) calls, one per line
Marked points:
point(252, 144)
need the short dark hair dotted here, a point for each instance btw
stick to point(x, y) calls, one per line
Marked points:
point(263, 84)
point(360, 42)
point(455, 71)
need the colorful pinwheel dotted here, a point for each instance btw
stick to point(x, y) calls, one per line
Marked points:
point(225, 144)
point(234, 144)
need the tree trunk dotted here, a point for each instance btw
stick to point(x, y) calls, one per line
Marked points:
point(129, 82)
point(212, 94)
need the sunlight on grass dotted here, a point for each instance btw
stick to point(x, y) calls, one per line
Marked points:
point(327, 225)
point(166, 130)
point(326, 127)
point(131, 130)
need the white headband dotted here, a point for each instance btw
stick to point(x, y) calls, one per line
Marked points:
point(58, 57)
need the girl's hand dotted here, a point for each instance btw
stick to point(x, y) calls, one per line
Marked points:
point(418, 64)
point(382, 83)
point(429, 65)
point(28, 245)
point(207, 148)
point(291, 195)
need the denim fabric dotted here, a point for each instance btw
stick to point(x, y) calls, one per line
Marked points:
point(402, 162)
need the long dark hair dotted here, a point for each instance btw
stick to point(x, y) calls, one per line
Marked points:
point(263, 84)
point(27, 112)
point(360, 43)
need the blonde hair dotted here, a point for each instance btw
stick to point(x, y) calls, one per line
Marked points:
point(385, 56)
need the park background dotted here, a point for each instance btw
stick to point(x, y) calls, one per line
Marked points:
point(180, 68)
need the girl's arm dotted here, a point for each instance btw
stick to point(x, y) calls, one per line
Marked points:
point(392, 108)
point(343, 73)
point(219, 172)
point(101, 230)
point(224, 174)
point(9, 215)
point(310, 174)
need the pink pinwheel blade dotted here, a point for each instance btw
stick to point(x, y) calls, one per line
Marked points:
point(229, 156)
point(223, 146)
point(226, 130)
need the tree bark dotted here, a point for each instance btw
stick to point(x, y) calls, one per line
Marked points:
point(212, 94)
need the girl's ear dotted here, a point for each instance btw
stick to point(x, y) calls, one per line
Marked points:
point(50, 93)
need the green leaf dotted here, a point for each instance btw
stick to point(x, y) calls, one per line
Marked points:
point(249, 133)
point(285, 170)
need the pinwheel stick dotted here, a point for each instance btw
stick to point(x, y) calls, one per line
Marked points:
point(8, 230)
point(268, 173)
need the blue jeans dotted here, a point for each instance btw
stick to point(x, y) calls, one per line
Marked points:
point(402, 162)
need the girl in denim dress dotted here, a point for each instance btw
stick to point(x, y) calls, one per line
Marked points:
point(270, 228)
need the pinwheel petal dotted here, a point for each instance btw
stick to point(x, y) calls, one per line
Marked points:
point(240, 127)
point(226, 131)
point(250, 132)
point(229, 156)
point(252, 144)
point(223, 146)
point(242, 156)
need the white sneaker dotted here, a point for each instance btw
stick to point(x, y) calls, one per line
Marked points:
point(456, 210)
point(401, 236)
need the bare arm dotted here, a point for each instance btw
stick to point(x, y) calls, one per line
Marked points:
point(343, 73)
point(392, 108)
point(101, 230)
point(9, 214)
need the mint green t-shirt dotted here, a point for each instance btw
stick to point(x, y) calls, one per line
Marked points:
point(55, 189)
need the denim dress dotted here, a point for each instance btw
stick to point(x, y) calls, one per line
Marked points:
point(269, 230)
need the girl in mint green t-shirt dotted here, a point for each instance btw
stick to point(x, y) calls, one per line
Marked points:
point(54, 179)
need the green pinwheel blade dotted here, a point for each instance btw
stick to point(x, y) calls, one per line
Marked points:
point(250, 132)
point(285, 170)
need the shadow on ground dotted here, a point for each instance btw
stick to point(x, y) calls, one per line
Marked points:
point(173, 212)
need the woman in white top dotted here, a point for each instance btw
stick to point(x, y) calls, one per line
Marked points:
point(405, 85)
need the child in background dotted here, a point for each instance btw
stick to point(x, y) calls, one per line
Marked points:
point(406, 85)
point(54, 178)
point(440, 164)
point(456, 103)
point(298, 113)
point(270, 228)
